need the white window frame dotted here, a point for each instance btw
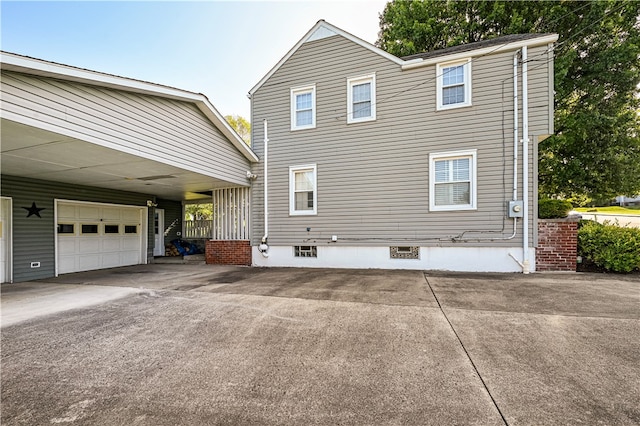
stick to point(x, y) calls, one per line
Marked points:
point(300, 91)
point(292, 184)
point(440, 84)
point(354, 81)
point(452, 155)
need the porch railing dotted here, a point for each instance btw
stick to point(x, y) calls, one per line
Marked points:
point(198, 228)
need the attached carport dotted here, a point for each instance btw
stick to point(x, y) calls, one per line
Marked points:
point(90, 159)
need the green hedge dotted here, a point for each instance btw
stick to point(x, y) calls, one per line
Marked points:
point(553, 209)
point(611, 247)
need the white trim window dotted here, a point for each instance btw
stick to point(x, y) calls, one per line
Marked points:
point(452, 181)
point(303, 108)
point(453, 84)
point(361, 99)
point(303, 194)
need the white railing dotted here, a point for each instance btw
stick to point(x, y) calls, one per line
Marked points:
point(200, 228)
point(231, 214)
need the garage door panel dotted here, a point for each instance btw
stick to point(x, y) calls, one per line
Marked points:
point(111, 214)
point(105, 243)
point(111, 244)
point(89, 245)
point(66, 211)
point(87, 212)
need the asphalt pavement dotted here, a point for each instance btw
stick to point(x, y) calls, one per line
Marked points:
point(200, 345)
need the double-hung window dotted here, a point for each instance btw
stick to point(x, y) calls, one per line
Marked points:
point(452, 181)
point(361, 99)
point(453, 84)
point(303, 108)
point(303, 196)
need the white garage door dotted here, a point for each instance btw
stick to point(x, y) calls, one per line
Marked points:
point(96, 236)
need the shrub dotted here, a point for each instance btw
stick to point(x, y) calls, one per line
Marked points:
point(553, 209)
point(609, 246)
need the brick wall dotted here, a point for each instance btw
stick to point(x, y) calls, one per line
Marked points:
point(557, 244)
point(226, 252)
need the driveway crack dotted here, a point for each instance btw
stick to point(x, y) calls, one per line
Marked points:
point(495, 404)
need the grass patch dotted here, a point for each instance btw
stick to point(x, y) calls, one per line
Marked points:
point(634, 210)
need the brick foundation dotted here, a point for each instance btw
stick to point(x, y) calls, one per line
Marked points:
point(557, 244)
point(227, 252)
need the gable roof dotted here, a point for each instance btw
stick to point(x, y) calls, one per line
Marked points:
point(33, 66)
point(324, 29)
point(321, 30)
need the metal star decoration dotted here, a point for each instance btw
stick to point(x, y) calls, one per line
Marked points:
point(33, 210)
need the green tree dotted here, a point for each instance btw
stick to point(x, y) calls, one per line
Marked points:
point(241, 126)
point(198, 211)
point(595, 151)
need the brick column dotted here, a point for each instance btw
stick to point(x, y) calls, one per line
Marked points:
point(557, 244)
point(228, 252)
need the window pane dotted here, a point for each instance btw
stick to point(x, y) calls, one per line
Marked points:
point(303, 101)
point(130, 229)
point(453, 95)
point(304, 181)
point(453, 75)
point(304, 118)
point(65, 228)
point(89, 229)
point(362, 92)
point(442, 171)
point(112, 229)
point(304, 200)
point(460, 169)
point(362, 109)
point(448, 194)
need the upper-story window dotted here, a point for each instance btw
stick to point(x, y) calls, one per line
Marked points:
point(452, 180)
point(303, 196)
point(361, 99)
point(454, 84)
point(303, 108)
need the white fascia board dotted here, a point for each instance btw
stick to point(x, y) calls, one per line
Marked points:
point(33, 66)
point(322, 23)
point(544, 40)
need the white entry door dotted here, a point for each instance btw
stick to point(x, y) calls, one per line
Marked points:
point(96, 236)
point(158, 249)
point(5, 240)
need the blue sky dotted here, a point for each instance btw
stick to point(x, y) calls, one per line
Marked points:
point(221, 49)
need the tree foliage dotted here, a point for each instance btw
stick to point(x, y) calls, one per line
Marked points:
point(198, 211)
point(595, 151)
point(241, 126)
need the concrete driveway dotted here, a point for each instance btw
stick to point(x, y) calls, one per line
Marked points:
point(199, 345)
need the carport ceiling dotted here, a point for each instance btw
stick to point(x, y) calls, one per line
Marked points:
point(40, 154)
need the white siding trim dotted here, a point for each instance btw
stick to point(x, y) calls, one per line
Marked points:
point(467, 84)
point(534, 42)
point(463, 259)
point(299, 91)
point(292, 171)
point(433, 157)
point(370, 78)
point(309, 35)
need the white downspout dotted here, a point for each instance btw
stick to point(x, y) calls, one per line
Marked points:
point(515, 126)
point(263, 247)
point(525, 163)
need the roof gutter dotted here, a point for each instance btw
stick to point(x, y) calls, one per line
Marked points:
point(539, 41)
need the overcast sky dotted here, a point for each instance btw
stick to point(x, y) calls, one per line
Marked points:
point(221, 49)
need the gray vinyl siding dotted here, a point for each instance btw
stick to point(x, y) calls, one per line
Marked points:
point(34, 237)
point(373, 177)
point(172, 212)
point(169, 131)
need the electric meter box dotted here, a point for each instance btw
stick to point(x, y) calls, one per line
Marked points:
point(515, 208)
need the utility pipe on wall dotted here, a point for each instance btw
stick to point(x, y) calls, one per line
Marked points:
point(515, 126)
point(263, 247)
point(525, 163)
